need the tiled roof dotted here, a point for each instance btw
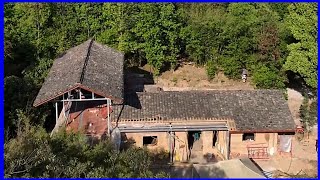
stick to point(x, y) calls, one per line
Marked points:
point(250, 109)
point(90, 65)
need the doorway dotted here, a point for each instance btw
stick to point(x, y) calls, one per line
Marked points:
point(195, 146)
point(215, 138)
point(193, 136)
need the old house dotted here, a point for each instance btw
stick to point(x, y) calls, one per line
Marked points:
point(87, 85)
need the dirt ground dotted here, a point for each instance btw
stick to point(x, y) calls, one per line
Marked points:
point(189, 77)
point(304, 155)
point(303, 160)
point(294, 101)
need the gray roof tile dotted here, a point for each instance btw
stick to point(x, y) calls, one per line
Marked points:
point(90, 64)
point(251, 109)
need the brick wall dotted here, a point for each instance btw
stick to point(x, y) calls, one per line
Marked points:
point(181, 147)
point(180, 141)
point(239, 146)
point(162, 143)
point(222, 143)
point(221, 146)
point(81, 120)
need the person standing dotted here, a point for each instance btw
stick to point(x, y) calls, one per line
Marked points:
point(244, 75)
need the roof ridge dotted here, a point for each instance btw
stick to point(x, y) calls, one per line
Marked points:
point(86, 61)
point(207, 91)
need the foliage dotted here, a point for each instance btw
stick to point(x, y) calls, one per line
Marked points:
point(211, 68)
point(309, 112)
point(236, 36)
point(145, 32)
point(19, 96)
point(159, 34)
point(201, 33)
point(266, 77)
point(34, 154)
point(303, 58)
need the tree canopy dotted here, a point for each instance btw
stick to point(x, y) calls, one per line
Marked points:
point(302, 21)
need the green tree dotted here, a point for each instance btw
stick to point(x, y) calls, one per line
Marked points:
point(303, 55)
point(201, 33)
point(267, 77)
point(35, 154)
point(309, 112)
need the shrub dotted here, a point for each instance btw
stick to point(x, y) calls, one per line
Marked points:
point(35, 154)
point(211, 69)
point(265, 77)
point(308, 113)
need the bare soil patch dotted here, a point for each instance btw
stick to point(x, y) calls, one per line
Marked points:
point(190, 77)
point(295, 100)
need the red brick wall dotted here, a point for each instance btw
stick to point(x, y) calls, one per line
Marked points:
point(81, 120)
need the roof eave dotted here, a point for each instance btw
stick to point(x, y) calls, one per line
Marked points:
point(53, 97)
point(78, 85)
point(264, 131)
point(117, 99)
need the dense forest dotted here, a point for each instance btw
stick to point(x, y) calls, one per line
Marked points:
point(275, 42)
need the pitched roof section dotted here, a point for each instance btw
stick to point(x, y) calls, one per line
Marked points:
point(263, 110)
point(91, 66)
point(104, 71)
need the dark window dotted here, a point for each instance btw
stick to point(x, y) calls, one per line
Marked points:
point(150, 140)
point(248, 137)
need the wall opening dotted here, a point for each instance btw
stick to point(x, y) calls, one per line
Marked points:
point(150, 140)
point(215, 138)
point(248, 137)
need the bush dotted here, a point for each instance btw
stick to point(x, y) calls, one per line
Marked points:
point(265, 77)
point(308, 113)
point(211, 69)
point(231, 67)
point(35, 154)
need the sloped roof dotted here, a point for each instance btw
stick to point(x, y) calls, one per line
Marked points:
point(234, 168)
point(91, 66)
point(252, 110)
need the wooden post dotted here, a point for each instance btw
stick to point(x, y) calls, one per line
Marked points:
point(56, 104)
point(228, 145)
point(63, 107)
point(108, 111)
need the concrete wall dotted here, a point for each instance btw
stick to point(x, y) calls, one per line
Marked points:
point(239, 146)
